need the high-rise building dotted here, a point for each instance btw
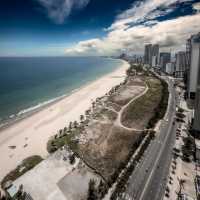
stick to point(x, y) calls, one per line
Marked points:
point(170, 68)
point(181, 64)
point(155, 50)
point(165, 57)
point(154, 61)
point(151, 54)
point(188, 52)
point(196, 123)
point(148, 54)
point(155, 55)
point(188, 61)
point(193, 51)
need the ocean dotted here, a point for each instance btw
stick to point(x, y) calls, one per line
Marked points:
point(27, 84)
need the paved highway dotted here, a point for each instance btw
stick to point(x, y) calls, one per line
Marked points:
point(148, 180)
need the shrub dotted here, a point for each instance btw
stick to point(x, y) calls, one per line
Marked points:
point(26, 165)
point(92, 193)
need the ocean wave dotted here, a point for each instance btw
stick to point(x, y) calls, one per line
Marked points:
point(23, 113)
point(43, 104)
point(30, 110)
point(39, 105)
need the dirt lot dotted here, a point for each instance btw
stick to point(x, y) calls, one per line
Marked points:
point(125, 93)
point(109, 149)
point(104, 144)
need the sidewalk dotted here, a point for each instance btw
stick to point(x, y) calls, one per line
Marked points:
point(181, 171)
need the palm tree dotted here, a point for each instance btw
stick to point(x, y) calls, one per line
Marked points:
point(87, 112)
point(60, 132)
point(65, 129)
point(81, 118)
point(70, 126)
point(92, 190)
point(75, 124)
point(93, 104)
point(181, 185)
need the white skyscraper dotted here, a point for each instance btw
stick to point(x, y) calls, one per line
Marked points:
point(170, 68)
point(194, 60)
point(196, 124)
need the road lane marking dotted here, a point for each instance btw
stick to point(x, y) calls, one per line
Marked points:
point(156, 162)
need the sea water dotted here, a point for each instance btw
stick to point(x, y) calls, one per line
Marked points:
point(28, 83)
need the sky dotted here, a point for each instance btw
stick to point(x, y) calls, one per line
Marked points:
point(95, 27)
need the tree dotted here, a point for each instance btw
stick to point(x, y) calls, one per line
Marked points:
point(93, 104)
point(181, 186)
point(60, 132)
point(70, 126)
point(81, 118)
point(72, 159)
point(102, 188)
point(92, 191)
point(75, 124)
point(65, 129)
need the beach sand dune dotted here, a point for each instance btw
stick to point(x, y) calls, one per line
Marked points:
point(30, 135)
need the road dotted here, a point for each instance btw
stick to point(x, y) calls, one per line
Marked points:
point(148, 180)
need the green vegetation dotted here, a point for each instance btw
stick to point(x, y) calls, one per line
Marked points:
point(138, 69)
point(72, 159)
point(142, 113)
point(181, 110)
point(149, 108)
point(180, 115)
point(188, 148)
point(26, 165)
point(103, 187)
point(66, 139)
point(139, 112)
point(92, 194)
point(121, 184)
point(159, 111)
point(66, 136)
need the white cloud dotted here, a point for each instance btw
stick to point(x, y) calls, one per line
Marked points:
point(145, 10)
point(170, 34)
point(196, 6)
point(59, 10)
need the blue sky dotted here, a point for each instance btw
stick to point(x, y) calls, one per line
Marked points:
point(93, 27)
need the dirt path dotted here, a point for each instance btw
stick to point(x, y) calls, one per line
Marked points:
point(118, 121)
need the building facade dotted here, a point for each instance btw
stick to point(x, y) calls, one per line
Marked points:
point(165, 57)
point(148, 54)
point(196, 123)
point(181, 64)
point(193, 45)
point(155, 55)
point(170, 68)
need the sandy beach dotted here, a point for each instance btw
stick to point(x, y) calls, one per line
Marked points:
point(31, 134)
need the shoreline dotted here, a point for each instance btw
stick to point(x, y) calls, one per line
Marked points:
point(17, 117)
point(30, 134)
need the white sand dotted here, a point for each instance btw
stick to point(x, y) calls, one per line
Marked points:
point(45, 123)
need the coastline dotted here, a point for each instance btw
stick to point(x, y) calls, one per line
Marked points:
point(27, 112)
point(31, 133)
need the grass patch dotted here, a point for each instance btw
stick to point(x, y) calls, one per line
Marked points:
point(107, 152)
point(109, 114)
point(139, 112)
point(26, 165)
point(160, 110)
point(66, 139)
